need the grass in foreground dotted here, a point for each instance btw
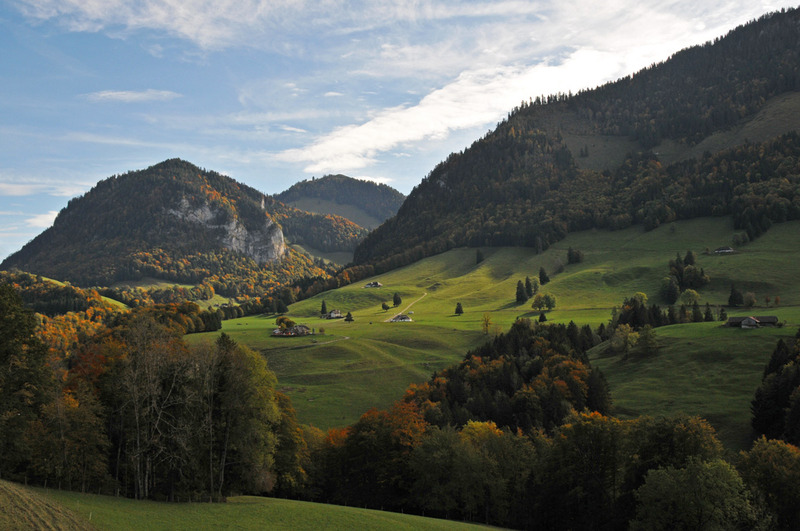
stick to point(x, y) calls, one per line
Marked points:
point(241, 512)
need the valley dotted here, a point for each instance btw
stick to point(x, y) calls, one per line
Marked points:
point(586, 319)
point(702, 369)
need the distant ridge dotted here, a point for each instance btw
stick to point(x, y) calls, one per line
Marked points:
point(365, 203)
point(709, 132)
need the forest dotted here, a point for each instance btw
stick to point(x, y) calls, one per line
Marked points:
point(518, 434)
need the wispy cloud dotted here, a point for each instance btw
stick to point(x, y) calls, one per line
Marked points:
point(132, 96)
point(42, 221)
point(571, 51)
point(58, 189)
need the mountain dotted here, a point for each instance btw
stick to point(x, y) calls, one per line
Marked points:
point(178, 222)
point(365, 203)
point(710, 131)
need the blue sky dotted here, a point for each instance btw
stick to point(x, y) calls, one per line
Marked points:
point(271, 92)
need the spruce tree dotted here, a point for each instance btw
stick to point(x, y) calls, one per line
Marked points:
point(521, 295)
point(543, 278)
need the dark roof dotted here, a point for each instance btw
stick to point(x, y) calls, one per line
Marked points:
point(763, 319)
point(767, 319)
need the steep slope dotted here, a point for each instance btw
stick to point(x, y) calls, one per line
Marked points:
point(365, 203)
point(175, 221)
point(593, 160)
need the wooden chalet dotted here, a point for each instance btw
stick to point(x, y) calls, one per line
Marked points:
point(752, 322)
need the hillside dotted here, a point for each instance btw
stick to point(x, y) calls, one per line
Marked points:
point(365, 203)
point(176, 222)
point(25, 508)
point(333, 378)
point(710, 131)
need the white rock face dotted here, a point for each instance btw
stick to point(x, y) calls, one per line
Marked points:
point(264, 244)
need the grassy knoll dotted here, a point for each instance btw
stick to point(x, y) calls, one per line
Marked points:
point(242, 512)
point(333, 378)
point(22, 508)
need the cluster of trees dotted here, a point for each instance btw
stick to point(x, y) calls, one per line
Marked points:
point(528, 378)
point(544, 301)
point(776, 405)
point(684, 276)
point(134, 410)
point(519, 184)
point(528, 289)
point(636, 313)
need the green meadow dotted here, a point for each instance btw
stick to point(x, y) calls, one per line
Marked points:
point(23, 508)
point(333, 377)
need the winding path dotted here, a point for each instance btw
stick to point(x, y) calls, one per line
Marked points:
point(405, 310)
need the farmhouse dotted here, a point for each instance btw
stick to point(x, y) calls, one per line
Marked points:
point(333, 314)
point(752, 322)
point(373, 284)
point(294, 331)
point(401, 318)
point(723, 250)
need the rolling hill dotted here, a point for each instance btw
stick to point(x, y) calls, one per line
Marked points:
point(708, 132)
point(365, 203)
point(25, 508)
point(333, 378)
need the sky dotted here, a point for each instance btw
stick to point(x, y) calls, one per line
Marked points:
point(271, 92)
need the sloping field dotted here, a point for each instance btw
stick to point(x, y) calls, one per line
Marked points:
point(241, 512)
point(333, 378)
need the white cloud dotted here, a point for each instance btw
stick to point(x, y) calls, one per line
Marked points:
point(132, 96)
point(475, 98)
point(42, 221)
point(55, 188)
point(573, 50)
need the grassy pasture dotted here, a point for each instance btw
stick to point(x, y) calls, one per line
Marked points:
point(241, 512)
point(701, 368)
point(333, 378)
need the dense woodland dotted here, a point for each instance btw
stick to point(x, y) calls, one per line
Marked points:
point(520, 184)
point(376, 199)
point(518, 434)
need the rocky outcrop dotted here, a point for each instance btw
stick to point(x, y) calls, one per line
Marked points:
point(264, 243)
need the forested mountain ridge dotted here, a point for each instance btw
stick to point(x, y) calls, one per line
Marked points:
point(541, 174)
point(178, 222)
point(363, 202)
